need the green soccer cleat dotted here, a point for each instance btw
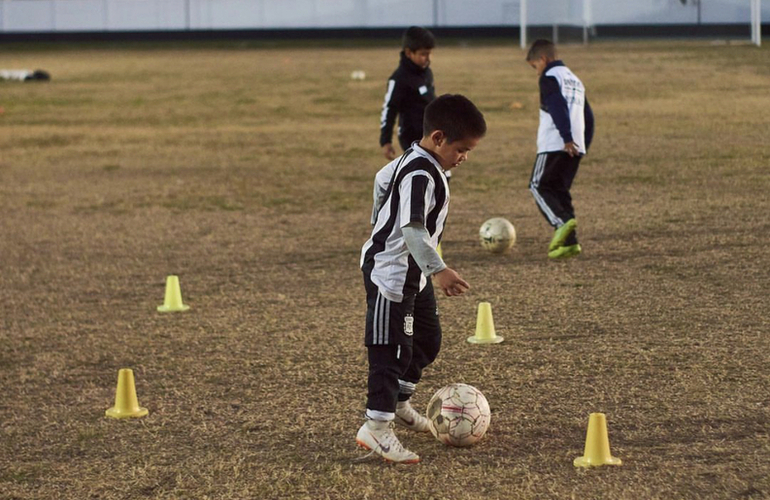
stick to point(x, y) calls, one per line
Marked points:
point(561, 234)
point(565, 252)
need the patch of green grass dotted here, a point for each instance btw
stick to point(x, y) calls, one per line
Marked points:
point(338, 100)
point(21, 474)
point(114, 207)
point(279, 201)
point(223, 203)
point(41, 203)
point(641, 179)
point(341, 201)
point(204, 203)
point(49, 141)
point(482, 184)
point(58, 103)
point(89, 435)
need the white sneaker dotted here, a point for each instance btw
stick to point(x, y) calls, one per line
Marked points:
point(410, 418)
point(378, 436)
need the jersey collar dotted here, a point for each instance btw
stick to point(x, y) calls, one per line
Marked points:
point(422, 152)
point(552, 64)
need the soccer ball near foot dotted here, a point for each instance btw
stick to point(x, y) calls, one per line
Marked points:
point(458, 415)
point(497, 235)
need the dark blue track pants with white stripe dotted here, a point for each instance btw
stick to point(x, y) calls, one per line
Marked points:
point(550, 183)
point(402, 338)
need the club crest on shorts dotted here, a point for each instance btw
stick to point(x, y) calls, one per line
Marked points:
point(409, 325)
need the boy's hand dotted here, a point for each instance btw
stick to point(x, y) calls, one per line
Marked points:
point(451, 282)
point(572, 149)
point(389, 151)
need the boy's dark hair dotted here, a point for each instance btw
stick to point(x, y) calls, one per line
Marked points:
point(456, 116)
point(416, 38)
point(541, 48)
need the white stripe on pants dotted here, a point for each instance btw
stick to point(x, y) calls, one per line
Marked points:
point(534, 184)
point(381, 334)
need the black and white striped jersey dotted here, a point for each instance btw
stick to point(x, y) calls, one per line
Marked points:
point(411, 188)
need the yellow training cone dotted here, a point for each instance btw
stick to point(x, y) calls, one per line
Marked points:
point(126, 404)
point(597, 450)
point(485, 327)
point(173, 300)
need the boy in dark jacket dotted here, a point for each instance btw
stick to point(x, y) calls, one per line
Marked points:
point(410, 90)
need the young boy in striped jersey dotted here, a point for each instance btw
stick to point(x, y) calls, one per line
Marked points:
point(403, 333)
point(565, 133)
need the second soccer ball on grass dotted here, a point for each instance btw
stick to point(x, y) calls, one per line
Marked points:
point(497, 235)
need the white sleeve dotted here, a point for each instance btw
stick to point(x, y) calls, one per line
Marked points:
point(418, 242)
point(381, 184)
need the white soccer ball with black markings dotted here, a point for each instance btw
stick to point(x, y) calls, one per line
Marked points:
point(458, 415)
point(497, 235)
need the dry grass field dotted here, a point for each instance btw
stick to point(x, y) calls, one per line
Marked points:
point(246, 169)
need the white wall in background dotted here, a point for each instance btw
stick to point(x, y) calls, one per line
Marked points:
point(138, 15)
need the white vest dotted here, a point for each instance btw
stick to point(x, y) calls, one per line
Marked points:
point(548, 137)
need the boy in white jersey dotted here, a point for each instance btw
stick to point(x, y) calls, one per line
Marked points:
point(565, 133)
point(403, 333)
